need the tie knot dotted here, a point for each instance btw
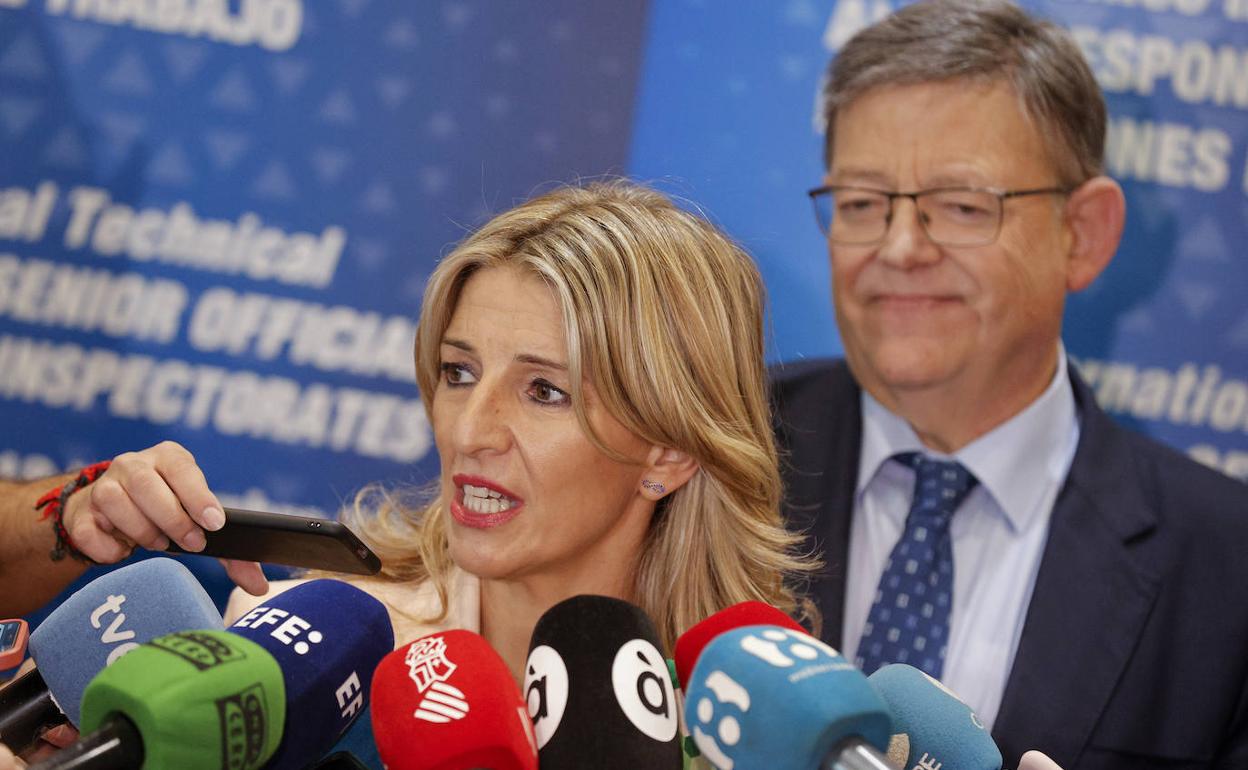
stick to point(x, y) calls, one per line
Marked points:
point(940, 486)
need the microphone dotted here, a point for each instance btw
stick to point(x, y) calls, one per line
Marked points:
point(931, 725)
point(598, 688)
point(194, 700)
point(691, 643)
point(99, 623)
point(327, 636)
point(447, 702)
point(358, 743)
point(340, 760)
point(767, 696)
point(1034, 760)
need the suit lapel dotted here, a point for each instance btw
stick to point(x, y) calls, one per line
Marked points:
point(1093, 594)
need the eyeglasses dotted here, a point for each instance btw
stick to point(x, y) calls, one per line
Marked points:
point(951, 216)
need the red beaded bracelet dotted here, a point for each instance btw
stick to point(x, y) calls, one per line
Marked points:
point(53, 505)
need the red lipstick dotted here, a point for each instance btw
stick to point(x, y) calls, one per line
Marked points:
point(469, 518)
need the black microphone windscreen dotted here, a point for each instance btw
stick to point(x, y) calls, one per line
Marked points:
point(598, 688)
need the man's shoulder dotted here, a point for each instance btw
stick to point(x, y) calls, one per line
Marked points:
point(1194, 492)
point(786, 374)
point(241, 602)
point(815, 382)
point(817, 420)
point(1191, 500)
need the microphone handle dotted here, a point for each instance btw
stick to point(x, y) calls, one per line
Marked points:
point(26, 710)
point(855, 754)
point(117, 745)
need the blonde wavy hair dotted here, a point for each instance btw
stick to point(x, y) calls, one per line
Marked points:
point(664, 315)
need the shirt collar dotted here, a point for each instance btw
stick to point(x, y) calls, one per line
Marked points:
point(1004, 459)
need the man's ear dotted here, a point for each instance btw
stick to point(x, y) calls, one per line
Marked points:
point(1095, 214)
point(666, 471)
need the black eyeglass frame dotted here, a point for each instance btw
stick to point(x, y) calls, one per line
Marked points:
point(816, 193)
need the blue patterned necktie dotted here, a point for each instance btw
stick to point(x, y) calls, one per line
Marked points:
point(909, 621)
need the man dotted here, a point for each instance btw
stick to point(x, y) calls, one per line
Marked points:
point(1082, 587)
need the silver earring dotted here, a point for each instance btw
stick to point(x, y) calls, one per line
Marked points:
point(654, 486)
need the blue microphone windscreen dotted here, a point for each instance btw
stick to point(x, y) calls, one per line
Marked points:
point(112, 615)
point(767, 696)
point(328, 637)
point(358, 741)
point(938, 725)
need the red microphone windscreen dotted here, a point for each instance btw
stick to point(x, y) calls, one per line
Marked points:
point(691, 643)
point(447, 702)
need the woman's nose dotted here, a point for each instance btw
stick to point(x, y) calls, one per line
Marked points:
point(484, 422)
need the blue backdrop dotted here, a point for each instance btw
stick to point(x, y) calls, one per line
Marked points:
point(216, 219)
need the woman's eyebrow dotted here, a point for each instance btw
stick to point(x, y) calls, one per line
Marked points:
point(523, 358)
point(529, 358)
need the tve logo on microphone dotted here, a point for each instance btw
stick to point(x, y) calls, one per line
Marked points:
point(113, 633)
point(430, 669)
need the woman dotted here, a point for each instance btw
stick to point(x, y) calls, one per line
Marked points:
point(592, 365)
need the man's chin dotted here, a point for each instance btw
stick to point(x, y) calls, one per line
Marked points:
point(919, 365)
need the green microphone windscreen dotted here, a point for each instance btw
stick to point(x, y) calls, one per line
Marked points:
point(199, 699)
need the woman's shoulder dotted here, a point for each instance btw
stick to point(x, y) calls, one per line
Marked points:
point(241, 602)
point(413, 606)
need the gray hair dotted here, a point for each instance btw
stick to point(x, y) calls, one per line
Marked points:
point(984, 40)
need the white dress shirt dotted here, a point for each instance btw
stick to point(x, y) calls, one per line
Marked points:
point(998, 532)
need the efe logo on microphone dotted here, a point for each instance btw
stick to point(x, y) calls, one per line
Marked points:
point(287, 627)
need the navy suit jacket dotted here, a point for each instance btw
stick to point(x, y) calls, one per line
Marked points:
point(1134, 651)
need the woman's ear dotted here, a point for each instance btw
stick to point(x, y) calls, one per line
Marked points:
point(1095, 213)
point(666, 471)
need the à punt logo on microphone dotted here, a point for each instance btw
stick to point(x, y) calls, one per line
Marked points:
point(430, 669)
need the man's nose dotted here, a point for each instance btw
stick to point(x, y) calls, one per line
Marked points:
point(906, 243)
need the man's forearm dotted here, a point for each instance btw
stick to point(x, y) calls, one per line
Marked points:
point(29, 578)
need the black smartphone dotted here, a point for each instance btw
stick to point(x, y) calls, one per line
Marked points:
point(295, 541)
